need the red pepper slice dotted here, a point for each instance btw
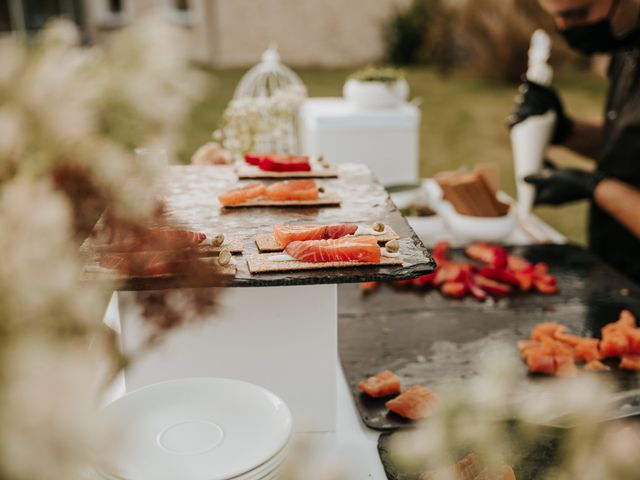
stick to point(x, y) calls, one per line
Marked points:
point(424, 280)
point(518, 264)
point(284, 163)
point(454, 289)
point(500, 275)
point(546, 285)
point(252, 158)
point(492, 255)
point(491, 286)
point(474, 289)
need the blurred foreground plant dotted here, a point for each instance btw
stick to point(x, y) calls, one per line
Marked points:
point(504, 421)
point(69, 120)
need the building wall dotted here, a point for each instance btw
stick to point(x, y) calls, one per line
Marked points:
point(229, 33)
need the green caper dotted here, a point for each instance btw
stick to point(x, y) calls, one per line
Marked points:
point(217, 240)
point(392, 246)
point(224, 257)
point(378, 227)
point(321, 190)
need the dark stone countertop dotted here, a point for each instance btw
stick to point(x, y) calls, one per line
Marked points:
point(191, 197)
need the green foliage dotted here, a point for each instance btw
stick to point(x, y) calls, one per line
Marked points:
point(378, 74)
point(496, 35)
point(404, 34)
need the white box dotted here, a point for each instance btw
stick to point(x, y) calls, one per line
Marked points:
point(282, 338)
point(385, 140)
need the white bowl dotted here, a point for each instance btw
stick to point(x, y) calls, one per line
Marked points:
point(485, 229)
point(375, 95)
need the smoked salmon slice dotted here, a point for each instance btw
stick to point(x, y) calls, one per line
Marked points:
point(236, 196)
point(285, 234)
point(414, 403)
point(363, 249)
point(139, 264)
point(293, 190)
point(380, 385)
point(159, 238)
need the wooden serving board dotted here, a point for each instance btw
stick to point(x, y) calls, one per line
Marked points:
point(267, 242)
point(327, 201)
point(262, 264)
point(248, 172)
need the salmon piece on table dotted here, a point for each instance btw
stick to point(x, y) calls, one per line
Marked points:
point(363, 249)
point(414, 403)
point(285, 234)
point(236, 196)
point(630, 362)
point(293, 190)
point(596, 366)
point(587, 349)
point(381, 385)
point(549, 330)
point(614, 343)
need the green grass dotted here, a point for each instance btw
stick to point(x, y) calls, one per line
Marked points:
point(463, 120)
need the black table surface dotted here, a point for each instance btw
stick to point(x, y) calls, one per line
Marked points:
point(191, 195)
point(434, 341)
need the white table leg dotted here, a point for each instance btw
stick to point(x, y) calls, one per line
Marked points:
point(282, 338)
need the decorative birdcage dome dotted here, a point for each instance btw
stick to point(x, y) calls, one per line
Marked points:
point(263, 114)
point(268, 77)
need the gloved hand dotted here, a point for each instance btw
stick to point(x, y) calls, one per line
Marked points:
point(555, 186)
point(534, 99)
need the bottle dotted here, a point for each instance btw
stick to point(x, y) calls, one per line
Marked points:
point(530, 138)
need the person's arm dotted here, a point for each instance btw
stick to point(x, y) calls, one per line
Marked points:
point(621, 201)
point(585, 138)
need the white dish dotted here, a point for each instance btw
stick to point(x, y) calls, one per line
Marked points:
point(486, 229)
point(198, 429)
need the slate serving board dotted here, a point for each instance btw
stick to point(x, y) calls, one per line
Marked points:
point(191, 195)
point(535, 461)
point(431, 340)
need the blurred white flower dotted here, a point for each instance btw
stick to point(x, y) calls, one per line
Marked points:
point(48, 410)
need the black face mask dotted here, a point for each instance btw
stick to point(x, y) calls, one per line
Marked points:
point(598, 36)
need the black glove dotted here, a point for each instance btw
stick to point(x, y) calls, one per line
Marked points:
point(534, 99)
point(555, 186)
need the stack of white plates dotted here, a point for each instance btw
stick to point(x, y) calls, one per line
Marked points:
point(198, 429)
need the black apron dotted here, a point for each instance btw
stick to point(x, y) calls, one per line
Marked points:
point(620, 158)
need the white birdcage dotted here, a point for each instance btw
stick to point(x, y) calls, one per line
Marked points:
point(263, 115)
point(268, 77)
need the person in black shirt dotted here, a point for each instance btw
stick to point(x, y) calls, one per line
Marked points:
point(613, 188)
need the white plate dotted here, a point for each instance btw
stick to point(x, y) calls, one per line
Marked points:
point(197, 429)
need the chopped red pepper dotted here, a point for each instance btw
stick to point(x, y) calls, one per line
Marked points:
point(519, 264)
point(284, 163)
point(252, 158)
point(492, 255)
point(500, 275)
point(454, 289)
point(424, 280)
point(491, 286)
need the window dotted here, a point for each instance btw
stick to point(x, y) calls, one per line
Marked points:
point(38, 12)
point(113, 13)
point(5, 17)
point(182, 5)
point(115, 6)
point(181, 11)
